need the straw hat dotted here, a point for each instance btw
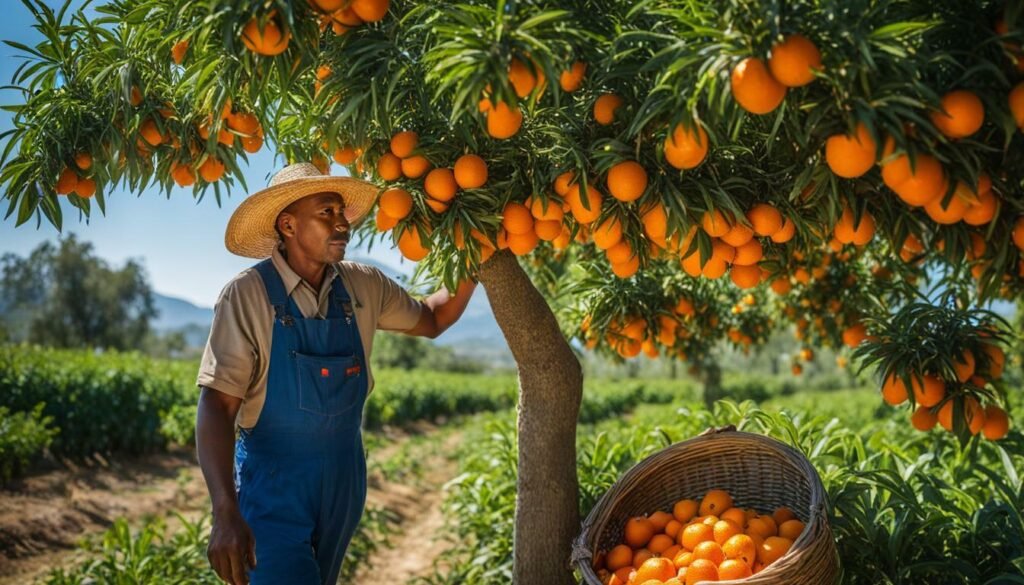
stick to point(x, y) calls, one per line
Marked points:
point(251, 232)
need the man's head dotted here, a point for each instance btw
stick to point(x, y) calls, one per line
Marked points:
point(315, 227)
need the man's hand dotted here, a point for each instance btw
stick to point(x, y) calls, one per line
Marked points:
point(232, 549)
point(442, 309)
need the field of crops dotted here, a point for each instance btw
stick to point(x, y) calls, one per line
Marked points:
point(906, 506)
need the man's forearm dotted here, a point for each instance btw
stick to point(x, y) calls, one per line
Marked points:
point(447, 308)
point(215, 447)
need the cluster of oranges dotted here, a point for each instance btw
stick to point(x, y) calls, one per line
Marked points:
point(269, 36)
point(503, 119)
point(630, 336)
point(73, 178)
point(760, 89)
point(936, 398)
point(710, 540)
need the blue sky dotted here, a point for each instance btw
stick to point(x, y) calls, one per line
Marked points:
point(180, 241)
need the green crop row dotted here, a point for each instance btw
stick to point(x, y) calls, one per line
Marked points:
point(906, 506)
point(23, 436)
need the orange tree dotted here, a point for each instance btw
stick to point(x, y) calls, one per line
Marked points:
point(661, 175)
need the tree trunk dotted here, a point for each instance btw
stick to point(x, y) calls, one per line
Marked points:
point(550, 389)
point(712, 375)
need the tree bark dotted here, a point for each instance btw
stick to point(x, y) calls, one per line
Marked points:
point(712, 375)
point(550, 389)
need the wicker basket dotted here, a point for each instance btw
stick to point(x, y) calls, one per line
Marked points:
point(759, 472)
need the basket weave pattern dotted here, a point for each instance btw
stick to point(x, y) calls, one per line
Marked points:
point(759, 472)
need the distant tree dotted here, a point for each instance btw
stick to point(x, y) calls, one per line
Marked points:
point(65, 296)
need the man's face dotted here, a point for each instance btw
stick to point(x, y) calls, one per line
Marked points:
point(315, 227)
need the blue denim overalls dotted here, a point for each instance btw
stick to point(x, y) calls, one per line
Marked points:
point(300, 471)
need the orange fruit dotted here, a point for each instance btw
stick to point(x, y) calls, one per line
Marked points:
point(1018, 233)
point(389, 167)
point(685, 510)
point(734, 569)
point(627, 181)
point(996, 359)
point(760, 526)
point(791, 529)
point(639, 531)
point(929, 390)
point(919, 186)
point(572, 79)
point(748, 254)
point(384, 221)
point(1016, 101)
point(738, 235)
point(953, 211)
point(211, 170)
point(516, 218)
point(655, 221)
point(607, 234)
point(548, 230)
point(266, 38)
point(563, 181)
point(854, 334)
point(412, 246)
point(849, 232)
point(754, 88)
point(657, 568)
point(585, 204)
point(150, 133)
point(725, 529)
point(964, 365)
point(961, 114)
point(745, 277)
point(660, 543)
point(404, 143)
point(735, 515)
point(997, 424)
point(370, 10)
point(674, 526)
point(714, 268)
point(627, 268)
point(415, 166)
point(470, 171)
point(243, 122)
point(85, 188)
point(715, 223)
point(182, 174)
point(687, 146)
point(396, 203)
point(741, 547)
point(83, 160)
point(683, 558)
point(851, 156)
point(522, 78)
point(709, 550)
point(765, 219)
point(772, 549)
point(252, 144)
point(923, 419)
point(781, 285)
point(975, 415)
point(785, 233)
point(605, 107)
point(135, 97)
point(715, 502)
point(66, 182)
point(440, 184)
point(504, 121)
point(984, 209)
point(701, 570)
point(178, 51)
point(945, 415)
point(546, 209)
point(618, 557)
point(694, 534)
point(794, 61)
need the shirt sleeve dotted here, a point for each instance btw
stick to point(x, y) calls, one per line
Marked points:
point(229, 359)
point(398, 310)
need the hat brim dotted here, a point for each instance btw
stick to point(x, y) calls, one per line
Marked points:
point(250, 230)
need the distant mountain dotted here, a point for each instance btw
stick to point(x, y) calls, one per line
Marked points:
point(476, 335)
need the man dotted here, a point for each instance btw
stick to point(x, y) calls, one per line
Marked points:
point(287, 362)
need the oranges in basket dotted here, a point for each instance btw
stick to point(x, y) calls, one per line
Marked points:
point(710, 539)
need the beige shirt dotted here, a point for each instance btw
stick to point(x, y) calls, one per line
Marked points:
point(237, 354)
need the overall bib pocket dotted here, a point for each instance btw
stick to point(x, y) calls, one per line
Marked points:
point(328, 385)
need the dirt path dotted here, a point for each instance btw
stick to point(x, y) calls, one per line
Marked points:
point(45, 516)
point(417, 503)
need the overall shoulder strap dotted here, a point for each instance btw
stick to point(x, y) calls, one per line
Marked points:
point(274, 285)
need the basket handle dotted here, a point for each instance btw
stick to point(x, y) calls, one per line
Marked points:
point(715, 431)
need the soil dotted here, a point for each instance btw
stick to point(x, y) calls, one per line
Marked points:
point(43, 517)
